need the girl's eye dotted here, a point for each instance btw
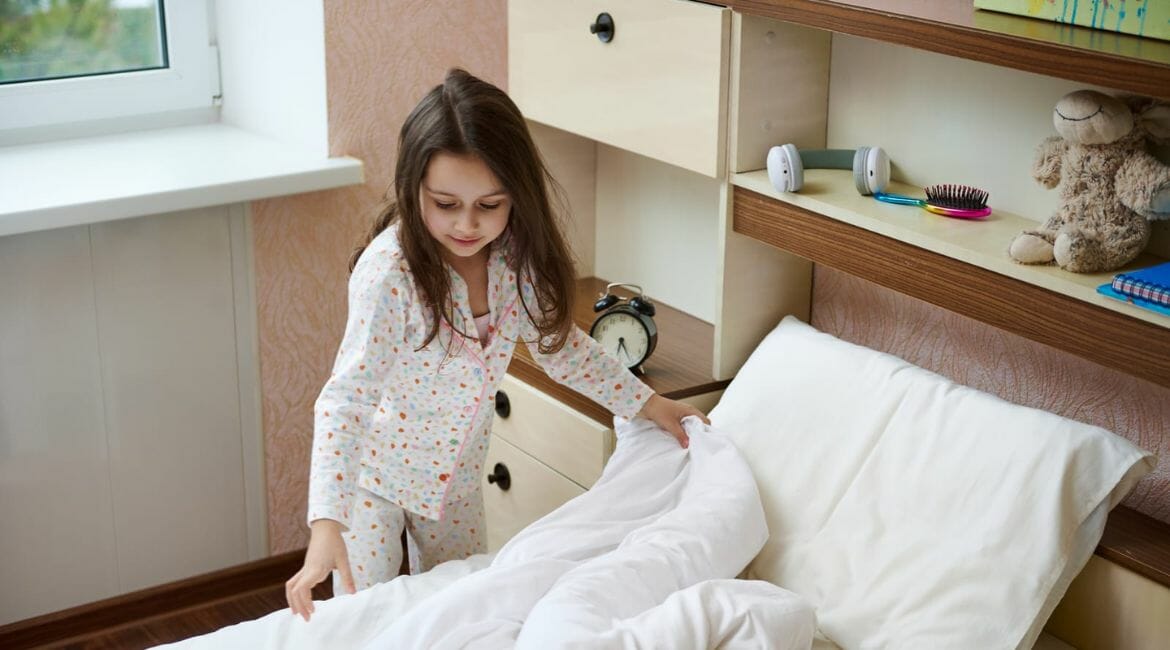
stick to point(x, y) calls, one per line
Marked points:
point(444, 206)
point(489, 206)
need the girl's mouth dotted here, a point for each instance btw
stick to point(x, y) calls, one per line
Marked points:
point(466, 242)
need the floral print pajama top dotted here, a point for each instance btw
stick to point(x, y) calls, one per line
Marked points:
point(413, 426)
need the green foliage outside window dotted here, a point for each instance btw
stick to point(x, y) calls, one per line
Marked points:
point(48, 39)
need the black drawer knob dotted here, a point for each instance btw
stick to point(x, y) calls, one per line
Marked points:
point(500, 476)
point(503, 405)
point(603, 27)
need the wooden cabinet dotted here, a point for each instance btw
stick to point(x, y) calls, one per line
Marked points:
point(561, 437)
point(656, 89)
point(954, 95)
point(549, 452)
point(635, 132)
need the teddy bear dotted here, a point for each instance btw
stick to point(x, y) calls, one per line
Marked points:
point(1112, 186)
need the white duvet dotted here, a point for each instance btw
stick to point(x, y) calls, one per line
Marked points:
point(644, 559)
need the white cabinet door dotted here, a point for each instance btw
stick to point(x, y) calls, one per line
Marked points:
point(166, 323)
point(56, 514)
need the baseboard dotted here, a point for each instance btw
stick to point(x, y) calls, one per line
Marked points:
point(149, 603)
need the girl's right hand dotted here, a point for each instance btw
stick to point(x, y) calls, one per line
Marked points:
point(326, 552)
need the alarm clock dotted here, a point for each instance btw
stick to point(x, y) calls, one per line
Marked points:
point(625, 327)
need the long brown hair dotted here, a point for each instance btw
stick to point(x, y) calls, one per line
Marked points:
point(466, 115)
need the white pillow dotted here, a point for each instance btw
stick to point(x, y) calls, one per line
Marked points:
point(911, 511)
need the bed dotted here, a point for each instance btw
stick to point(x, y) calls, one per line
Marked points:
point(842, 498)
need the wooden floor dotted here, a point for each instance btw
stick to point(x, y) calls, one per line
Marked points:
point(187, 623)
point(167, 613)
point(170, 612)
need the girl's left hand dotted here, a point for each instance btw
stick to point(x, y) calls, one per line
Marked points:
point(668, 414)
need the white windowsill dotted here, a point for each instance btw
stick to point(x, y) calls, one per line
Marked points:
point(67, 183)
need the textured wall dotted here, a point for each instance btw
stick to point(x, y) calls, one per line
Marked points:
point(381, 57)
point(1004, 364)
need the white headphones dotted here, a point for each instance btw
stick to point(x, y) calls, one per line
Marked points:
point(870, 165)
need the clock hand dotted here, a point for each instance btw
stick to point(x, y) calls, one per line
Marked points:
point(622, 346)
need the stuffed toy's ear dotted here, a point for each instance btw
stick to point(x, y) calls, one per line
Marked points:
point(1152, 116)
point(1157, 122)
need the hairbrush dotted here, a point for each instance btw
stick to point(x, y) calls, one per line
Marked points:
point(958, 201)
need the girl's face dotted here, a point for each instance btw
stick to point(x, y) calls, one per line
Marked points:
point(463, 205)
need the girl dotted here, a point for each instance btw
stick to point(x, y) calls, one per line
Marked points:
point(466, 261)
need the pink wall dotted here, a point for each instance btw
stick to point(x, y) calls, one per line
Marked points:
point(381, 57)
point(1004, 364)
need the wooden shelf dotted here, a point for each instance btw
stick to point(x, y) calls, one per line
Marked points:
point(1137, 542)
point(956, 264)
point(679, 367)
point(956, 28)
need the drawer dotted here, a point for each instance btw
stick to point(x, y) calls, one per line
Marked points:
point(657, 89)
point(705, 401)
point(553, 433)
point(534, 491)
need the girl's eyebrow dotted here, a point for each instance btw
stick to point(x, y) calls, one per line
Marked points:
point(494, 193)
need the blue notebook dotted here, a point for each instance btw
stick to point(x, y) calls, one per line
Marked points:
point(1151, 284)
point(1108, 290)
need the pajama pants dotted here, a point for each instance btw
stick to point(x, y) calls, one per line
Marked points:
point(374, 540)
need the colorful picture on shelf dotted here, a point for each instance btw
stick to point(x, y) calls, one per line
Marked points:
point(1140, 17)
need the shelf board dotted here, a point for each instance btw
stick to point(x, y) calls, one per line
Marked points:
point(1137, 542)
point(981, 243)
point(954, 27)
point(959, 265)
point(679, 367)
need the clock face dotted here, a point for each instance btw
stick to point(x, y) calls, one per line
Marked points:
point(623, 336)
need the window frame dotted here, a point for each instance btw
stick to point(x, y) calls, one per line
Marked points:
point(189, 83)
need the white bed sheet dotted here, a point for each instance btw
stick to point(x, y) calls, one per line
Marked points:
point(352, 621)
point(344, 621)
point(644, 559)
point(1045, 642)
point(641, 560)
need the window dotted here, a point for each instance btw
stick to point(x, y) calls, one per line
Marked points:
point(43, 40)
point(73, 61)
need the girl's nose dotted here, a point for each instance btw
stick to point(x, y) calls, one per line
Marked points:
point(466, 221)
